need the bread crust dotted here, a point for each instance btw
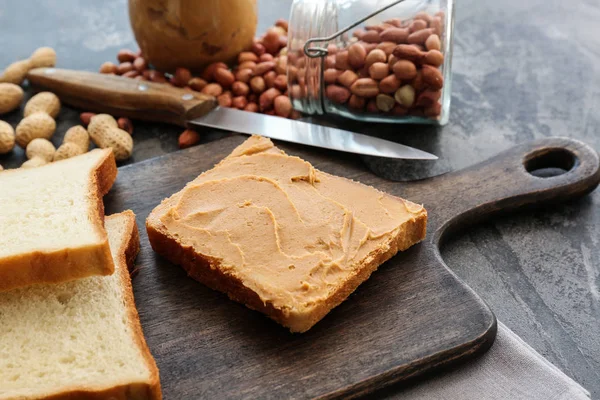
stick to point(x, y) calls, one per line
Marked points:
point(207, 271)
point(136, 390)
point(70, 263)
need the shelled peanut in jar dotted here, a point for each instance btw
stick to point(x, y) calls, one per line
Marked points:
point(396, 69)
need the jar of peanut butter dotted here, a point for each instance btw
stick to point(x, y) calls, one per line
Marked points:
point(192, 33)
point(379, 61)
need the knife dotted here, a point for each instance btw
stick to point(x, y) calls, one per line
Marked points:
point(159, 102)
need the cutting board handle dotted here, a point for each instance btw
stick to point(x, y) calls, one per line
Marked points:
point(122, 97)
point(505, 182)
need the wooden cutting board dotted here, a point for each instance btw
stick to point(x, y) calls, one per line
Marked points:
point(412, 316)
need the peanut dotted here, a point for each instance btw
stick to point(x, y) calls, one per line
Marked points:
point(356, 55)
point(379, 70)
point(433, 57)
point(131, 74)
point(264, 67)
point(46, 102)
point(140, 64)
point(385, 102)
point(282, 106)
point(37, 125)
point(108, 68)
point(126, 125)
point(43, 57)
point(7, 137)
point(34, 163)
point(156, 76)
point(417, 25)
point(375, 56)
point(282, 23)
point(11, 96)
point(126, 55)
point(365, 87)
point(258, 48)
point(281, 82)
point(251, 107)
point(240, 88)
point(225, 99)
point(247, 65)
point(247, 56)
point(78, 136)
point(405, 96)
point(239, 102)
point(418, 83)
point(197, 84)
point(337, 94)
point(105, 133)
point(404, 70)
point(16, 72)
point(347, 78)
point(356, 102)
point(188, 138)
point(265, 57)
point(266, 99)
point(281, 65)
point(42, 148)
point(432, 77)
point(124, 67)
point(372, 106)
point(341, 60)
point(397, 22)
point(330, 75)
point(386, 47)
point(86, 117)
point(433, 111)
point(436, 25)
point(389, 84)
point(67, 150)
point(257, 84)
point(244, 75)
point(224, 77)
point(181, 77)
point(396, 35)
point(428, 97)
point(371, 37)
point(271, 40)
point(422, 15)
point(269, 78)
point(408, 52)
point(399, 110)
point(419, 37)
point(213, 89)
point(208, 73)
point(433, 42)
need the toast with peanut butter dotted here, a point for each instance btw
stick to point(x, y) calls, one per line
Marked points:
point(279, 236)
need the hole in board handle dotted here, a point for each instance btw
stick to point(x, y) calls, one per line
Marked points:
point(547, 163)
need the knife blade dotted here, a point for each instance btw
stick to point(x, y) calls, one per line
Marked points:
point(295, 131)
point(151, 101)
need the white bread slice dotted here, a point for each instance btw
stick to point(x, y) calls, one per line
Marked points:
point(79, 339)
point(52, 221)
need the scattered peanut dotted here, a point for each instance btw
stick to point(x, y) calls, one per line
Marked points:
point(126, 125)
point(16, 72)
point(43, 57)
point(42, 148)
point(11, 96)
point(282, 106)
point(67, 150)
point(7, 137)
point(36, 125)
point(105, 133)
point(46, 102)
point(188, 138)
point(86, 117)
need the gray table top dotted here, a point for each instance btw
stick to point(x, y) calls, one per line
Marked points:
point(522, 70)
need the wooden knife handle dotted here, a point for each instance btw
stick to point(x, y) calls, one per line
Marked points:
point(123, 97)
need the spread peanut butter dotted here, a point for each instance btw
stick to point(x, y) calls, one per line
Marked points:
point(289, 232)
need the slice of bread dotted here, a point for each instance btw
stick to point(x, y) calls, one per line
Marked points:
point(280, 236)
point(52, 221)
point(80, 339)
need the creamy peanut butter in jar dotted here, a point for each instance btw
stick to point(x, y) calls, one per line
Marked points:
point(192, 33)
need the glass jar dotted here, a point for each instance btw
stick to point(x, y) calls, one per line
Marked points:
point(394, 66)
